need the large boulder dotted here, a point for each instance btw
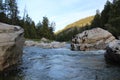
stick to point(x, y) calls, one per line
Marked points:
point(94, 39)
point(11, 45)
point(112, 54)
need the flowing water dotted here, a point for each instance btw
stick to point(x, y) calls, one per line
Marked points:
point(63, 64)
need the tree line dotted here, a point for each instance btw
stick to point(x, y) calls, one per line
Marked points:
point(108, 19)
point(9, 14)
point(68, 34)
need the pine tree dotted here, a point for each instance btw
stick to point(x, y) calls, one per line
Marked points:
point(97, 20)
point(105, 14)
point(3, 17)
point(12, 11)
point(39, 30)
point(45, 29)
point(115, 12)
point(33, 31)
point(9, 14)
point(1, 5)
point(114, 20)
point(51, 29)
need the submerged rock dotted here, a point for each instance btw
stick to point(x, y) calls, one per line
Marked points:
point(94, 39)
point(112, 54)
point(11, 45)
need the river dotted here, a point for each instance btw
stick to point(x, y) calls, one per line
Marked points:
point(63, 64)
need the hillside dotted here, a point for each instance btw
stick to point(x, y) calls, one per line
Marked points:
point(74, 28)
point(80, 23)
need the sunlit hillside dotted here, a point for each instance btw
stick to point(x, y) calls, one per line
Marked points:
point(73, 29)
point(79, 23)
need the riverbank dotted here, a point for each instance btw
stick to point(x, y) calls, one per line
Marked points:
point(45, 43)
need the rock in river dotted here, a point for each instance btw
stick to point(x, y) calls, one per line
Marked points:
point(11, 45)
point(112, 54)
point(94, 39)
point(53, 44)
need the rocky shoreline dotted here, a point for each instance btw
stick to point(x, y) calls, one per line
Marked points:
point(12, 42)
point(45, 44)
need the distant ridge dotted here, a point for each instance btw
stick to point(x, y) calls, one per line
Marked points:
point(78, 24)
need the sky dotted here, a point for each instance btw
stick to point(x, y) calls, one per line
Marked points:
point(62, 12)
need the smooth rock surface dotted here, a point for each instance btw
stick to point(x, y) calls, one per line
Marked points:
point(94, 39)
point(11, 45)
point(112, 53)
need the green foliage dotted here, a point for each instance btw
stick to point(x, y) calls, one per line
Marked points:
point(115, 9)
point(108, 19)
point(37, 32)
point(105, 14)
point(45, 29)
point(97, 20)
point(3, 17)
point(80, 23)
point(114, 26)
point(9, 14)
point(69, 31)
